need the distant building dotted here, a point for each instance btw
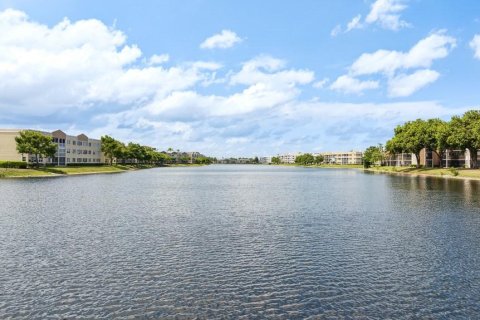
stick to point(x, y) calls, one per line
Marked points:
point(351, 157)
point(400, 160)
point(265, 160)
point(70, 149)
point(184, 157)
point(289, 157)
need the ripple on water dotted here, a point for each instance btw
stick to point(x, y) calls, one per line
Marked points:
point(240, 242)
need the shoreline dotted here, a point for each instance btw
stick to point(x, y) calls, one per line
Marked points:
point(443, 173)
point(57, 172)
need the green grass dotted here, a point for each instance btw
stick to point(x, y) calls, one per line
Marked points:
point(334, 166)
point(457, 172)
point(55, 171)
point(23, 173)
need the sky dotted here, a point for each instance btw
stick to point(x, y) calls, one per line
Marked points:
point(237, 78)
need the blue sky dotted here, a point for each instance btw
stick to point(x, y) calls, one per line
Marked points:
point(237, 78)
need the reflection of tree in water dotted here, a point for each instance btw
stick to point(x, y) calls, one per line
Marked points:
point(428, 188)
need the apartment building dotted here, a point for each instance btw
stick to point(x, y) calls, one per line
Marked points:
point(70, 149)
point(289, 157)
point(265, 160)
point(350, 157)
point(400, 160)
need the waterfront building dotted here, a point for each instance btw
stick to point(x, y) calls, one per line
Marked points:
point(265, 160)
point(400, 160)
point(70, 149)
point(289, 157)
point(350, 157)
point(184, 157)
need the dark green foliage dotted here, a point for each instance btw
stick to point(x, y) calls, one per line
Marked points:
point(305, 159)
point(13, 164)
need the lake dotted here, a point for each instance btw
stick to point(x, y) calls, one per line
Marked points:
point(237, 241)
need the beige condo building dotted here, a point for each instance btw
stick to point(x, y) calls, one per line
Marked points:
point(70, 149)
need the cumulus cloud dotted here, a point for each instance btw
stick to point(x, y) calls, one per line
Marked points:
point(355, 23)
point(223, 40)
point(83, 76)
point(387, 14)
point(475, 45)
point(77, 64)
point(159, 59)
point(348, 84)
point(321, 84)
point(393, 65)
point(436, 46)
point(404, 85)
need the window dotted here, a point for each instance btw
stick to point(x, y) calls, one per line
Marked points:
point(74, 142)
point(79, 159)
point(73, 159)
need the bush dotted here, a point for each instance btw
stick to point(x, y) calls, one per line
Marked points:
point(454, 171)
point(13, 164)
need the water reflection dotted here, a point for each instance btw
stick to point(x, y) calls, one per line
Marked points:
point(240, 241)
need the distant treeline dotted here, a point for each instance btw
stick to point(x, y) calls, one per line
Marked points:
point(137, 153)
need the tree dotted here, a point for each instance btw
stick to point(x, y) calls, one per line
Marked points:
point(255, 160)
point(372, 155)
point(464, 133)
point(319, 159)
point(305, 159)
point(276, 160)
point(110, 147)
point(437, 132)
point(409, 137)
point(36, 143)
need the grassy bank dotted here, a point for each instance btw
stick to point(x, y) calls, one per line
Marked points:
point(436, 172)
point(59, 171)
point(329, 166)
point(76, 170)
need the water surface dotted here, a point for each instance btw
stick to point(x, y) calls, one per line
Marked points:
point(240, 242)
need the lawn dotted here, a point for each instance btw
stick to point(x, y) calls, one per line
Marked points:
point(53, 171)
point(14, 173)
point(450, 172)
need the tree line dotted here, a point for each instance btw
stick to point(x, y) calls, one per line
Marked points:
point(305, 159)
point(436, 135)
point(134, 152)
point(35, 143)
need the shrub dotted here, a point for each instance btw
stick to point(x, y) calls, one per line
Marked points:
point(453, 171)
point(13, 164)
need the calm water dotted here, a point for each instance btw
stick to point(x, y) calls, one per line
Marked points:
point(240, 242)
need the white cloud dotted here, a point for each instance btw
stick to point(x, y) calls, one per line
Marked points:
point(336, 31)
point(404, 85)
point(389, 63)
point(475, 45)
point(269, 70)
point(348, 84)
point(77, 64)
point(355, 23)
point(158, 59)
point(387, 14)
point(321, 84)
point(223, 40)
point(421, 55)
